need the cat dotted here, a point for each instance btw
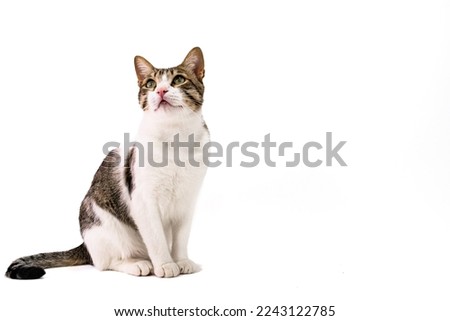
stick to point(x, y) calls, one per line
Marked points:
point(136, 217)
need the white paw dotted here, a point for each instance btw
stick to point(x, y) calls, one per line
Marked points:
point(187, 266)
point(139, 268)
point(167, 270)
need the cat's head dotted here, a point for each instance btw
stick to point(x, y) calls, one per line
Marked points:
point(171, 89)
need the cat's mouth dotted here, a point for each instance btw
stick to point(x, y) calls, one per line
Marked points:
point(165, 104)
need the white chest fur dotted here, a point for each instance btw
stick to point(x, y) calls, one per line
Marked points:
point(170, 172)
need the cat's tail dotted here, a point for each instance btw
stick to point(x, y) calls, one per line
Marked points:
point(32, 267)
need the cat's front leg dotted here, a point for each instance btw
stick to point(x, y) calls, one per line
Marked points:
point(181, 233)
point(151, 229)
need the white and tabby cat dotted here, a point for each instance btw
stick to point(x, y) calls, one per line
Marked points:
point(136, 217)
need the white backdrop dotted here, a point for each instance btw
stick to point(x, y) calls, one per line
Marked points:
point(370, 239)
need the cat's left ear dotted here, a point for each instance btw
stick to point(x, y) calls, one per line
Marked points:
point(194, 61)
point(143, 68)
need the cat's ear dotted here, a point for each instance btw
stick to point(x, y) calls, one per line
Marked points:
point(194, 62)
point(143, 68)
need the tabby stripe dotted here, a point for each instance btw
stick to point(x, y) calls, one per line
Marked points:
point(128, 170)
point(196, 88)
point(144, 104)
point(195, 100)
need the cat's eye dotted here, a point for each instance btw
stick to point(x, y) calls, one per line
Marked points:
point(151, 84)
point(178, 80)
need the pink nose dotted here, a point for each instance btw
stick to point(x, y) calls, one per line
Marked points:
point(162, 91)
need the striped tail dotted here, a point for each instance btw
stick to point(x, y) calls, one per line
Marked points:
point(32, 267)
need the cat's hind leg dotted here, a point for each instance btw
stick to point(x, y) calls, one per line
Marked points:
point(116, 246)
point(107, 255)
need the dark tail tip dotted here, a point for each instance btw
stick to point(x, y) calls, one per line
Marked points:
point(24, 272)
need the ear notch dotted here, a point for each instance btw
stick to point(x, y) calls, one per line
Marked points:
point(194, 62)
point(143, 68)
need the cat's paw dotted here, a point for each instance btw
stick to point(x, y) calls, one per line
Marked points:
point(145, 267)
point(137, 268)
point(187, 266)
point(167, 270)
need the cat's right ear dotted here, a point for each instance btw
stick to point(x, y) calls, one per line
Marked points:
point(143, 68)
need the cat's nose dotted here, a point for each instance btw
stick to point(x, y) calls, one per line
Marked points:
point(161, 92)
